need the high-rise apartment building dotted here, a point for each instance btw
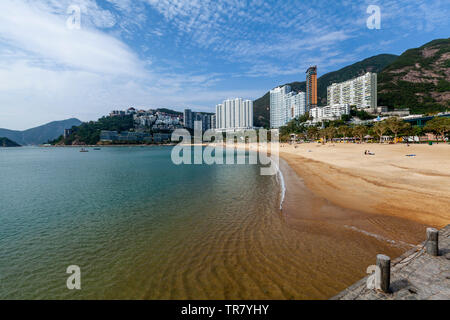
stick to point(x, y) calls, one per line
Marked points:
point(334, 112)
point(285, 105)
point(205, 118)
point(360, 92)
point(311, 87)
point(213, 122)
point(296, 104)
point(192, 120)
point(234, 114)
point(188, 119)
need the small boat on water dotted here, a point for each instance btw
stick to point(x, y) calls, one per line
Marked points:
point(97, 149)
point(84, 150)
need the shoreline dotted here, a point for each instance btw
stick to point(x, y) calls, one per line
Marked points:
point(106, 146)
point(386, 184)
point(344, 231)
point(335, 243)
point(282, 182)
point(313, 248)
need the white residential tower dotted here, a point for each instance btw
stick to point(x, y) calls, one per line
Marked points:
point(285, 105)
point(234, 114)
point(360, 92)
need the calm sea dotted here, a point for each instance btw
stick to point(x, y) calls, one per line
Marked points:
point(138, 226)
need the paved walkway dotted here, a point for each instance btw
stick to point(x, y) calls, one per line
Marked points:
point(414, 276)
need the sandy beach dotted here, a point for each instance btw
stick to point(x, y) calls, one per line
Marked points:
point(347, 207)
point(389, 182)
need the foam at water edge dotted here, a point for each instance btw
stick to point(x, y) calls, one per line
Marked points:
point(282, 184)
point(397, 243)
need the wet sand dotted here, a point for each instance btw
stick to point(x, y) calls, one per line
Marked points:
point(311, 249)
point(337, 244)
point(200, 240)
point(348, 207)
point(388, 183)
point(341, 209)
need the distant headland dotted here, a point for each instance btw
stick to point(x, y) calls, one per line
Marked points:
point(6, 143)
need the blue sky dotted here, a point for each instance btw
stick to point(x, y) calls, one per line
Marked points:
point(179, 53)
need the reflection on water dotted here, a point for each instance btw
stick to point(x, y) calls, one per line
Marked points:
point(142, 228)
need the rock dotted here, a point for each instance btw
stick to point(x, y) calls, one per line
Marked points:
point(412, 290)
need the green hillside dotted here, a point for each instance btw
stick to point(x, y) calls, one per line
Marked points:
point(6, 143)
point(419, 79)
point(41, 134)
point(373, 64)
point(169, 111)
point(88, 133)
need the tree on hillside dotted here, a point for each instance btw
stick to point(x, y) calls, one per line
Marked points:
point(88, 133)
point(303, 118)
point(396, 125)
point(380, 129)
point(296, 125)
point(360, 132)
point(360, 114)
point(438, 125)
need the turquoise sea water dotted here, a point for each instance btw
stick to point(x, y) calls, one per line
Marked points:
point(138, 226)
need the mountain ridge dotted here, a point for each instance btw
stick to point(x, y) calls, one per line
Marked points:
point(41, 134)
point(418, 79)
point(7, 143)
point(371, 64)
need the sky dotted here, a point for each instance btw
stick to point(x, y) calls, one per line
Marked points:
point(186, 53)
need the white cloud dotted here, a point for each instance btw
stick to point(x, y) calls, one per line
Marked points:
point(46, 36)
point(49, 72)
point(34, 95)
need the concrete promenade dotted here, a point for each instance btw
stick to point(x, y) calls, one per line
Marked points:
point(416, 275)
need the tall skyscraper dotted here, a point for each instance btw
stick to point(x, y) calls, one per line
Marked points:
point(360, 92)
point(234, 114)
point(213, 122)
point(311, 87)
point(192, 120)
point(285, 105)
point(206, 121)
point(188, 119)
